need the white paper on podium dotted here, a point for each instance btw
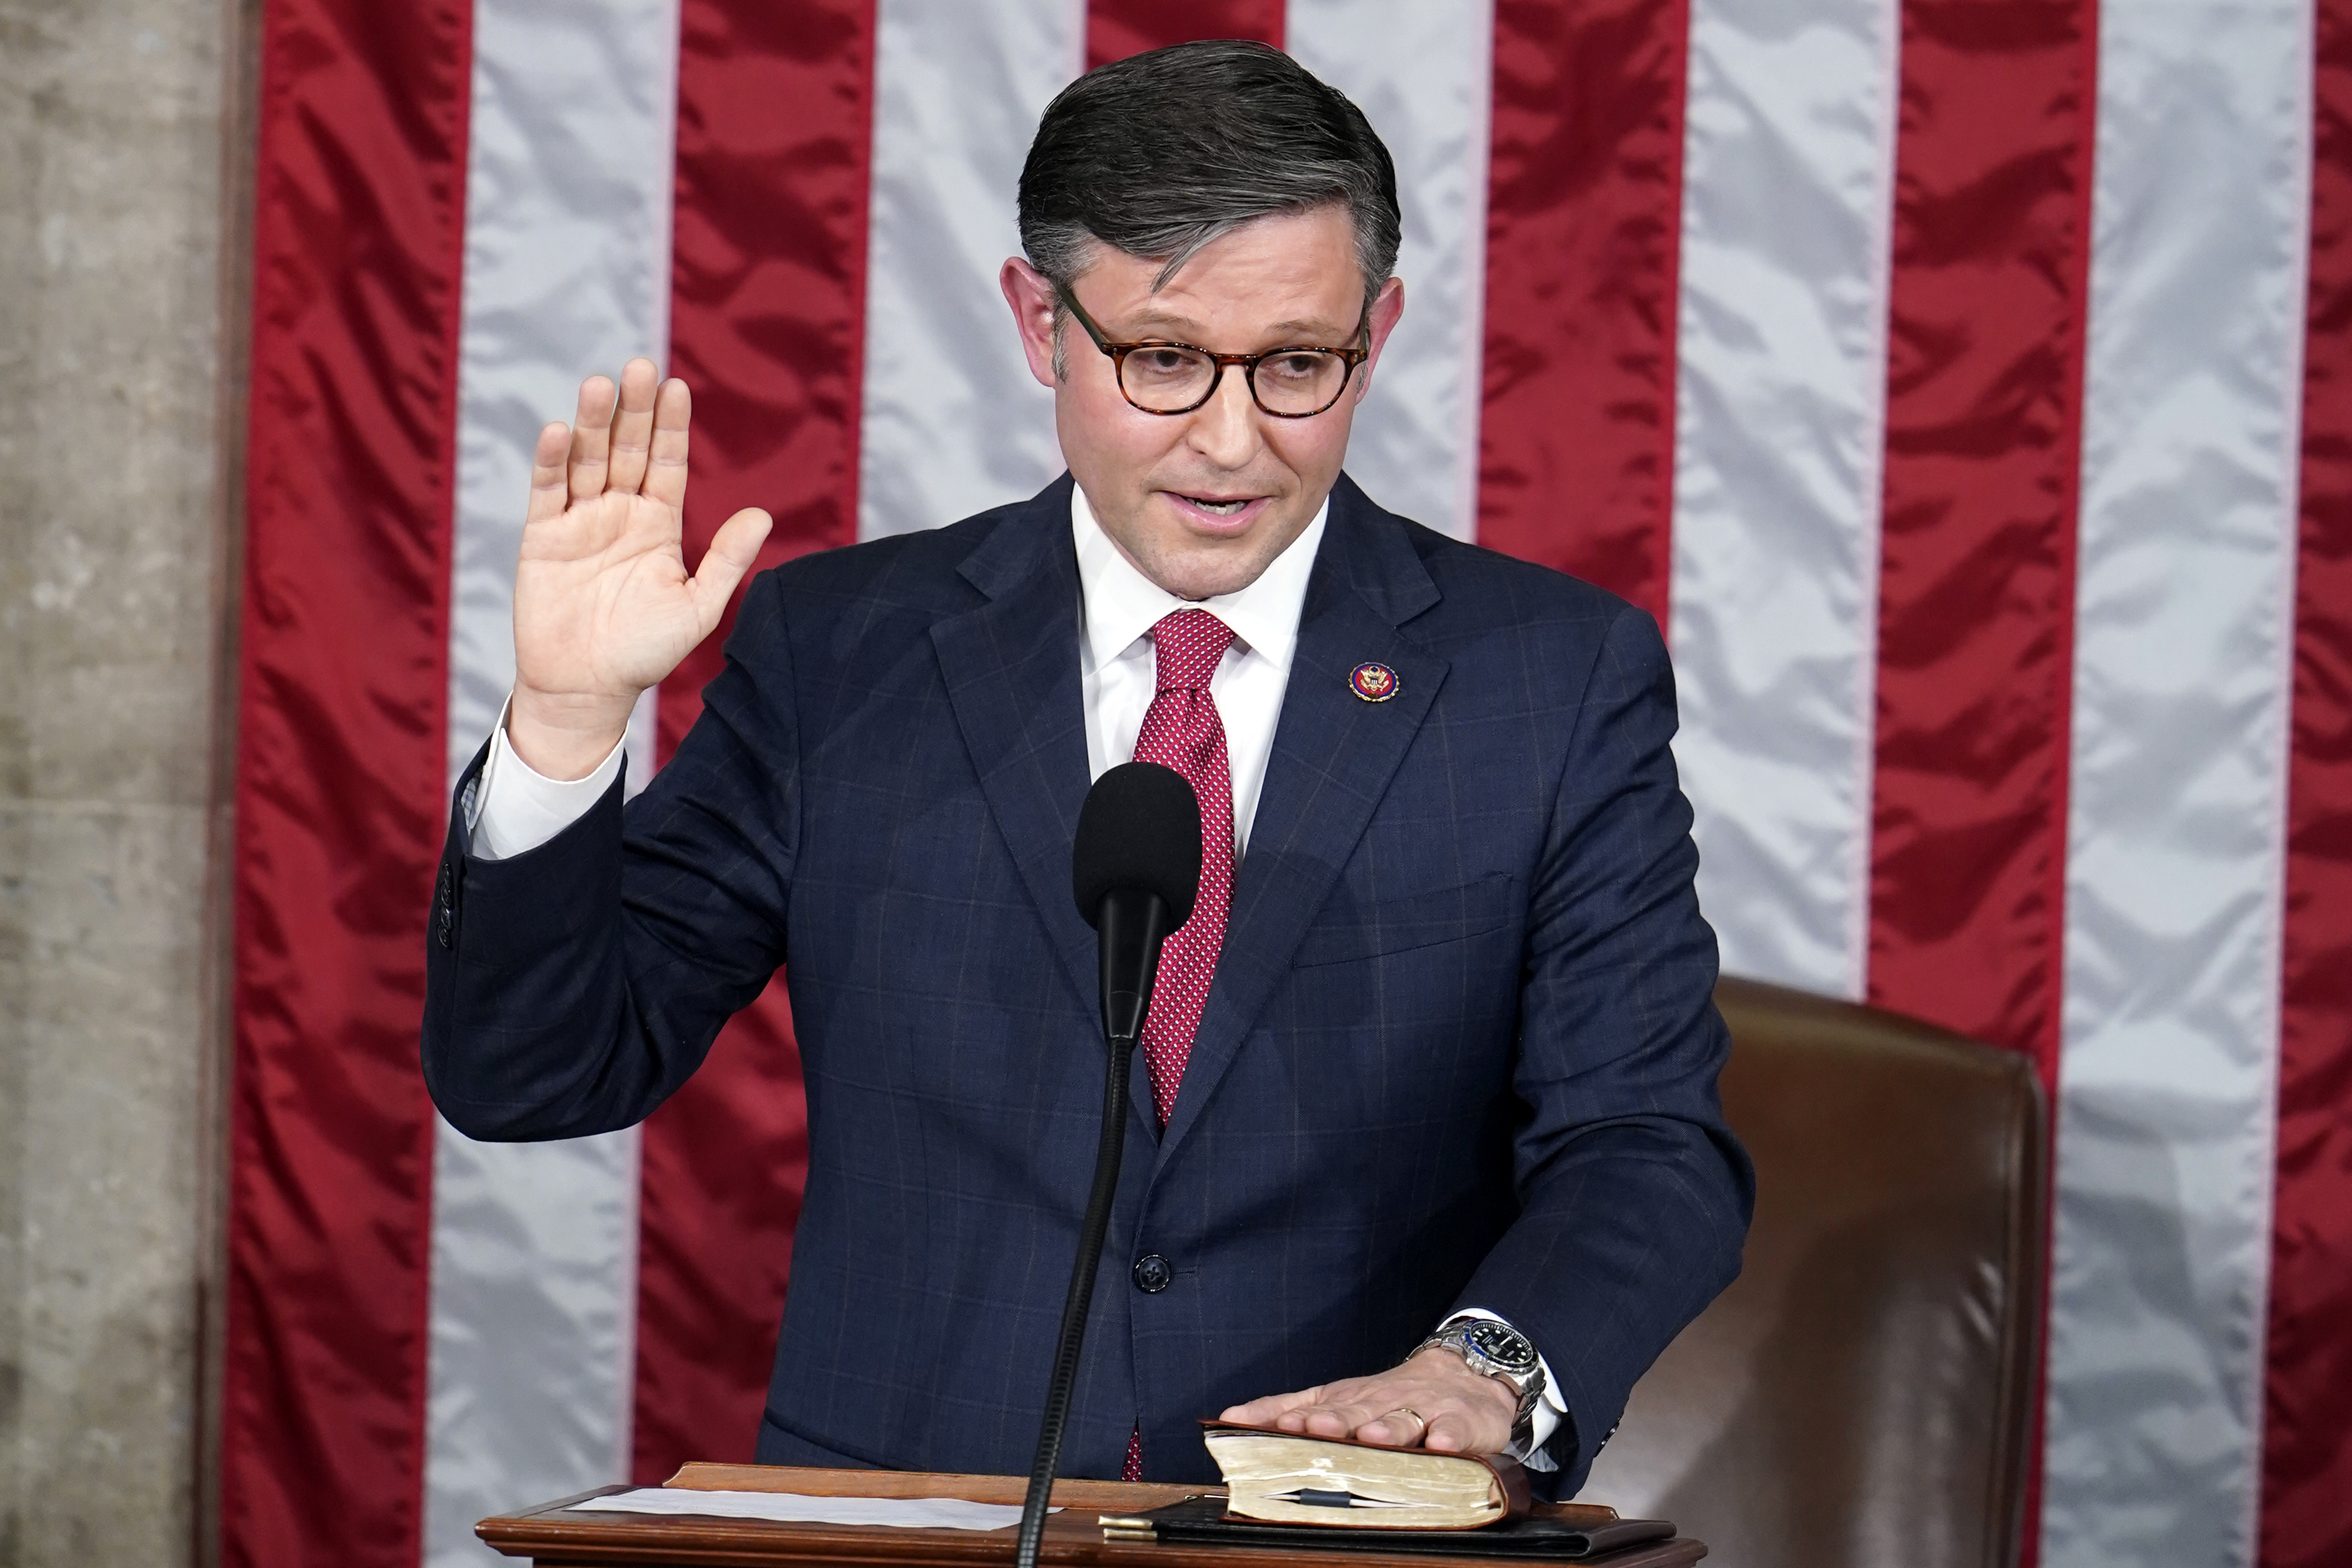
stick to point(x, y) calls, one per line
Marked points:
point(790, 1507)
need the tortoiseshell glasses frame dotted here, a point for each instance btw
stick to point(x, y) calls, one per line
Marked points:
point(1118, 353)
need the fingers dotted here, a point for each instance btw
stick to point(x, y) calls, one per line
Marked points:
point(592, 438)
point(1454, 1432)
point(665, 470)
point(1433, 1402)
point(1403, 1427)
point(547, 482)
point(1336, 1418)
point(1403, 1419)
point(732, 551)
point(633, 426)
point(1264, 1411)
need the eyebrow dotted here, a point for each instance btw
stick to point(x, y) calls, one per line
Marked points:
point(1294, 329)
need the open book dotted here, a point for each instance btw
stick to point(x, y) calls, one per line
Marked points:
point(1283, 1478)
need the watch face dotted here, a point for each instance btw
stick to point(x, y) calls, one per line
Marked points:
point(1503, 1345)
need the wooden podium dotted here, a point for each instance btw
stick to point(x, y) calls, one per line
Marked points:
point(549, 1536)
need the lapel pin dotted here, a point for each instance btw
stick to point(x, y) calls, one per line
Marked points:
point(1372, 682)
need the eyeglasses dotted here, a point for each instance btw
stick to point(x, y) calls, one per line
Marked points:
point(1161, 377)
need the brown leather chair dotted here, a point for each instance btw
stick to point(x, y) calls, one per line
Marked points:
point(1861, 1394)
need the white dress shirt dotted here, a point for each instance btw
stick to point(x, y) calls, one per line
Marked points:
point(515, 809)
point(1118, 666)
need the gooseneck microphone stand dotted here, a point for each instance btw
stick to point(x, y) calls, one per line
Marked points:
point(1073, 1310)
point(1135, 871)
point(1132, 924)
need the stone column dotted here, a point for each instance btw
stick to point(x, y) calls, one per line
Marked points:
point(123, 246)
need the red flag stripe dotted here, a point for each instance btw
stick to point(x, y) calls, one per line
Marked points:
point(1989, 296)
point(1583, 225)
point(1992, 211)
point(1118, 29)
point(359, 189)
point(768, 279)
point(2307, 1428)
point(767, 324)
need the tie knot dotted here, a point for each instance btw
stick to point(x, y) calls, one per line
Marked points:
point(1189, 644)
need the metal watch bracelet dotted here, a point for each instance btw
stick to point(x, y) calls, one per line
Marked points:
point(1517, 1364)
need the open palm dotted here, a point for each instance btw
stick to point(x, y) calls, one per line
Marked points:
point(603, 605)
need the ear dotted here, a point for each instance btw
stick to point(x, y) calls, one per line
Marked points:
point(1032, 301)
point(1388, 305)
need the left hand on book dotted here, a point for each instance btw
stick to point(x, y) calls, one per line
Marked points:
point(1432, 1401)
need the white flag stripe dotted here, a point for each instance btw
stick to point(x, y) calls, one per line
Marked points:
point(1780, 405)
point(567, 272)
point(534, 1328)
point(566, 269)
point(1421, 76)
point(953, 421)
point(2185, 565)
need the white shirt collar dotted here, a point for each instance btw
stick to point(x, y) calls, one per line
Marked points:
point(1122, 604)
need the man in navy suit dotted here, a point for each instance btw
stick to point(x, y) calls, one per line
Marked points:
point(1428, 1151)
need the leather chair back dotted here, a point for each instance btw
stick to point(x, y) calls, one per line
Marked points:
point(1862, 1396)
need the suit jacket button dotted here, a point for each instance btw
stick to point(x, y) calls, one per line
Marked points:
point(1152, 1274)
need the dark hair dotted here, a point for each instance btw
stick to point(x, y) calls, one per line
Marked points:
point(1159, 153)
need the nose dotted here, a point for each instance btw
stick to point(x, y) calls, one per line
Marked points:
point(1224, 429)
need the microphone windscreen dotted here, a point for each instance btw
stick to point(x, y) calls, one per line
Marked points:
point(1139, 830)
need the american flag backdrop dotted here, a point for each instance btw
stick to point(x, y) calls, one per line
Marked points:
point(1963, 383)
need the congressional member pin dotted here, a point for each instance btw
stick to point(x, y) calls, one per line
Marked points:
point(1372, 682)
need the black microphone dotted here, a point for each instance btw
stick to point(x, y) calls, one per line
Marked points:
point(1135, 871)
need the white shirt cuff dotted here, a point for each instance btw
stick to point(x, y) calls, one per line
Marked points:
point(514, 809)
point(1550, 1410)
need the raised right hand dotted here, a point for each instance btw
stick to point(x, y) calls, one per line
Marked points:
point(604, 608)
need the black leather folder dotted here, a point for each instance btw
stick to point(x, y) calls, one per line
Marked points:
point(1202, 1521)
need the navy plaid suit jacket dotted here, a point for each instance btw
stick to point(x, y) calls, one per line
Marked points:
point(1460, 1048)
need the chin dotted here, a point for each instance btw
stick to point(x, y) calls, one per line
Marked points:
point(1210, 585)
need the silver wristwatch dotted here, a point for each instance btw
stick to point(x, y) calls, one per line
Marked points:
point(1498, 1350)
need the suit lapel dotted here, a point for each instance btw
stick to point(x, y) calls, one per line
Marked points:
point(1333, 756)
point(1010, 667)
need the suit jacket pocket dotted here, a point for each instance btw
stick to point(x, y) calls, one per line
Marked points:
point(1346, 931)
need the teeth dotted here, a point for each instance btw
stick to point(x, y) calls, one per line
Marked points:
point(1220, 507)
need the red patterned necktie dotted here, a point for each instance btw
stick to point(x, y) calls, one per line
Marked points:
point(1183, 731)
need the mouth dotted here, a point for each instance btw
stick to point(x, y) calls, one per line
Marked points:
point(1219, 514)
